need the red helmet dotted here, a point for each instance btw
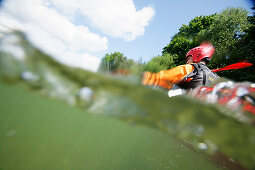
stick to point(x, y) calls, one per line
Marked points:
point(205, 50)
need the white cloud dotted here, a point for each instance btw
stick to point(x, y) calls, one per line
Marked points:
point(52, 32)
point(50, 25)
point(117, 18)
point(81, 60)
point(33, 12)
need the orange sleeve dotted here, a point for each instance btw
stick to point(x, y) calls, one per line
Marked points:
point(167, 78)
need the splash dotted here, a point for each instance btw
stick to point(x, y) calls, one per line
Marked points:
point(206, 128)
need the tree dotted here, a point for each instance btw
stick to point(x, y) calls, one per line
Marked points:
point(186, 38)
point(179, 46)
point(226, 30)
point(196, 25)
point(163, 62)
point(114, 61)
point(245, 49)
point(229, 33)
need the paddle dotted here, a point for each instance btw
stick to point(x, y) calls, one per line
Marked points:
point(234, 66)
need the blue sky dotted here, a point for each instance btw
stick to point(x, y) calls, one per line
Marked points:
point(80, 32)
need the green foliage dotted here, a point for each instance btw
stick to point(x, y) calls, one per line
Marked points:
point(224, 33)
point(137, 67)
point(251, 30)
point(245, 50)
point(231, 34)
point(115, 61)
point(166, 61)
point(185, 39)
point(179, 46)
point(196, 25)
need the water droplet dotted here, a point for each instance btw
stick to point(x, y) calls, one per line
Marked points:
point(202, 146)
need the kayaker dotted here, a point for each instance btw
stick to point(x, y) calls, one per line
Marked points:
point(186, 77)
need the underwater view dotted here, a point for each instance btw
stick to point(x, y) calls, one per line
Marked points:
point(54, 116)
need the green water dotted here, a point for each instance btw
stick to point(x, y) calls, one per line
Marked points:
point(36, 133)
point(225, 137)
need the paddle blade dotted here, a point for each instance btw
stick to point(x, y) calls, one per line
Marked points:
point(234, 66)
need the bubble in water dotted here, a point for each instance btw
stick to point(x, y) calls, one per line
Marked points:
point(202, 146)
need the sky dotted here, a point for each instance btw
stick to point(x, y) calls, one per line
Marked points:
point(80, 32)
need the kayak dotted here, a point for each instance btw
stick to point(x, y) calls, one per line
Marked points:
point(237, 97)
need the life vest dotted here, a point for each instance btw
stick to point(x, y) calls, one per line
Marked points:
point(200, 76)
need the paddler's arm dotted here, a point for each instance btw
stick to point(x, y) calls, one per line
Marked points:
point(167, 78)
